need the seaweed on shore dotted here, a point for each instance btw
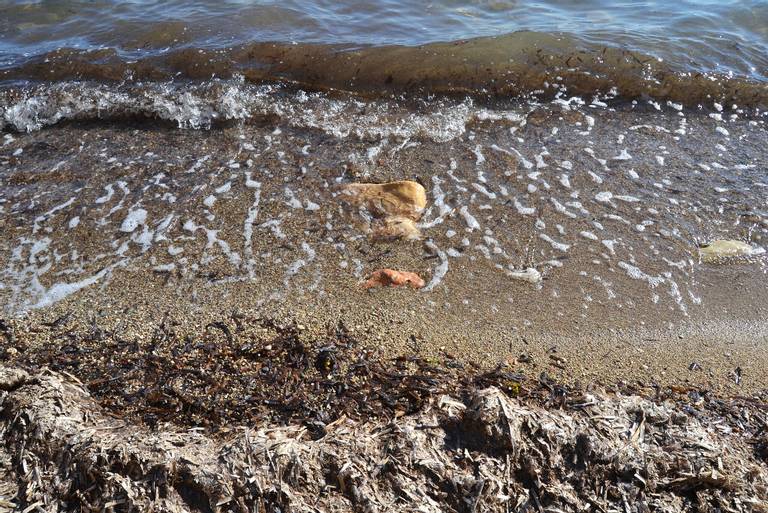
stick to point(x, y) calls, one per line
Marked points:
point(481, 452)
point(293, 421)
point(242, 371)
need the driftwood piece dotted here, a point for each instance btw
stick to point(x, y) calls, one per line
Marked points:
point(490, 453)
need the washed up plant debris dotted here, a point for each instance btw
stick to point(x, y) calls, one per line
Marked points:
point(254, 415)
point(242, 370)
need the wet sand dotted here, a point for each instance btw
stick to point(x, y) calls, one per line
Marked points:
point(122, 224)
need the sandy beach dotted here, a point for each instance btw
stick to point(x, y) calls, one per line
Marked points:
point(112, 225)
point(207, 290)
point(373, 257)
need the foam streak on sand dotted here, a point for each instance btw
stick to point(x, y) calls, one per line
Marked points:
point(213, 239)
point(26, 272)
point(59, 291)
point(250, 220)
point(440, 271)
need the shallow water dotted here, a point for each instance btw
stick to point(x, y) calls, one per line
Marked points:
point(609, 204)
point(174, 147)
point(651, 48)
point(696, 34)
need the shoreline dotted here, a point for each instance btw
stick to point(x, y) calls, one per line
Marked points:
point(720, 357)
point(383, 257)
point(186, 319)
point(121, 224)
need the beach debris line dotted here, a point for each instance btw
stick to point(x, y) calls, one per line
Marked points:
point(478, 451)
point(392, 278)
point(394, 207)
point(241, 370)
point(723, 251)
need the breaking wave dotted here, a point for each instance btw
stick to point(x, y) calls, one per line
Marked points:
point(522, 64)
point(213, 102)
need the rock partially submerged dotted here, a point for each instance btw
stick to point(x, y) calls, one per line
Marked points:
point(403, 198)
point(482, 452)
point(392, 278)
point(395, 206)
point(722, 251)
point(395, 227)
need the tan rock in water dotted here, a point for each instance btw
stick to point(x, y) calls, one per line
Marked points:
point(723, 250)
point(395, 207)
point(405, 198)
point(395, 227)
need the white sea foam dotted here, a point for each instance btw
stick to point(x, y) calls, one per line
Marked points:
point(472, 223)
point(440, 271)
point(133, 220)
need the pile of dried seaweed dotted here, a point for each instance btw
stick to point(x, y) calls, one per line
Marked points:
point(487, 452)
point(257, 416)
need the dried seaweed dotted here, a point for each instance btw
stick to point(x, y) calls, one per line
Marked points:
point(241, 371)
point(255, 416)
point(487, 453)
